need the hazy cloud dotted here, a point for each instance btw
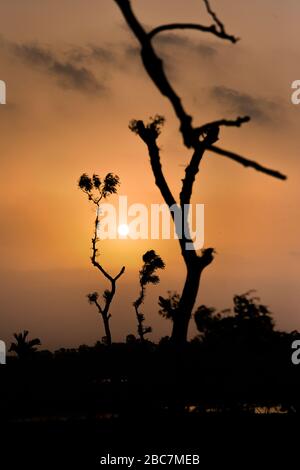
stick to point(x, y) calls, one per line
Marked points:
point(294, 253)
point(202, 48)
point(33, 54)
point(244, 104)
point(79, 78)
point(67, 72)
point(90, 53)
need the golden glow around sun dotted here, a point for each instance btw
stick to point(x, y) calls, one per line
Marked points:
point(123, 230)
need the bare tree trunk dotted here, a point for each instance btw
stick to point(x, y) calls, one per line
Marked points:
point(188, 297)
point(107, 329)
point(140, 328)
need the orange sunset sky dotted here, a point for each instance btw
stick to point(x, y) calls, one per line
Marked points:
point(74, 81)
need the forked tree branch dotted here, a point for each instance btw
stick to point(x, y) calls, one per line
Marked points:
point(217, 21)
point(149, 135)
point(154, 66)
point(218, 28)
point(200, 138)
point(194, 26)
point(222, 122)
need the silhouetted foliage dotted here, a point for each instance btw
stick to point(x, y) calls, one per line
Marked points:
point(23, 347)
point(147, 275)
point(96, 189)
point(236, 365)
point(130, 339)
point(154, 127)
point(168, 305)
point(249, 323)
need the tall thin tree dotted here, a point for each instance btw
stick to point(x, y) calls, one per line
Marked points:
point(96, 190)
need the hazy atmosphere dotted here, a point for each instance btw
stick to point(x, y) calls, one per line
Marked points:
point(74, 81)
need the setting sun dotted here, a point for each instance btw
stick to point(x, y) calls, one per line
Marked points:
point(123, 230)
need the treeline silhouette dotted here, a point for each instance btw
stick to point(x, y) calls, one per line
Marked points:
point(238, 363)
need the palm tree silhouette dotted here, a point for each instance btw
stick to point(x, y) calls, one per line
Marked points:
point(23, 347)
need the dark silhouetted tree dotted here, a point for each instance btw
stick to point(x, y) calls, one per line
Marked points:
point(200, 139)
point(130, 339)
point(168, 305)
point(23, 347)
point(96, 190)
point(250, 322)
point(147, 275)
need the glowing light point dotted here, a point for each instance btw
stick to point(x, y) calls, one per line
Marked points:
point(123, 230)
